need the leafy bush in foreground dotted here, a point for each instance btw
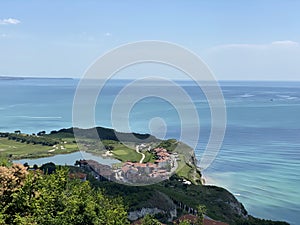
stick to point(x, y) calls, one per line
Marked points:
point(55, 199)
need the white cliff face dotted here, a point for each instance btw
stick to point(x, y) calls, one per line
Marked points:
point(173, 214)
point(144, 211)
point(137, 214)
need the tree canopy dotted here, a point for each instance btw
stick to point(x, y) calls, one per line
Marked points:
point(150, 220)
point(55, 199)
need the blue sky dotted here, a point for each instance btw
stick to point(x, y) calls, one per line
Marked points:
point(239, 40)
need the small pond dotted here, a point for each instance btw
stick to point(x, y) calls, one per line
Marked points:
point(68, 159)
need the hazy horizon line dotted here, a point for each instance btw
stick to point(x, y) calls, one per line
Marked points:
point(132, 78)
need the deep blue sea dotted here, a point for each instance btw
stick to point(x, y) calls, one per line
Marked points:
point(259, 160)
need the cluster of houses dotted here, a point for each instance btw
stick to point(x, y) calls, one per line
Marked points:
point(99, 171)
point(140, 172)
point(190, 219)
point(134, 172)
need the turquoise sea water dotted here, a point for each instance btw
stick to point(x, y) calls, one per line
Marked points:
point(260, 157)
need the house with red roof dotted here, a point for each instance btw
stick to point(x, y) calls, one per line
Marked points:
point(78, 175)
point(193, 220)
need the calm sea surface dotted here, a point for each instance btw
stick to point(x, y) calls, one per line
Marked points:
point(260, 158)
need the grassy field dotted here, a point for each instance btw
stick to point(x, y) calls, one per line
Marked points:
point(148, 157)
point(126, 154)
point(18, 150)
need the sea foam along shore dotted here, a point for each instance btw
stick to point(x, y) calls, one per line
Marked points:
point(210, 181)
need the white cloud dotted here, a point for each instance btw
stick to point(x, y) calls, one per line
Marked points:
point(285, 43)
point(9, 21)
point(107, 34)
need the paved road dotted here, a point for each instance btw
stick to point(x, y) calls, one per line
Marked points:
point(138, 151)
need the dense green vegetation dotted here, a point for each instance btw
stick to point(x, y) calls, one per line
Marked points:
point(34, 198)
point(103, 134)
point(150, 220)
point(219, 203)
point(30, 139)
point(169, 144)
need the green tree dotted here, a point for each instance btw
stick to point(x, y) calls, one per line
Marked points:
point(184, 222)
point(201, 210)
point(4, 162)
point(55, 199)
point(150, 220)
point(48, 168)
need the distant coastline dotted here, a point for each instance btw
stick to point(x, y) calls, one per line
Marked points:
point(4, 77)
point(18, 77)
